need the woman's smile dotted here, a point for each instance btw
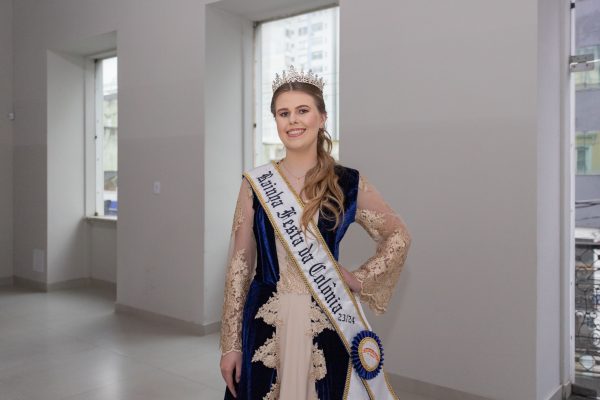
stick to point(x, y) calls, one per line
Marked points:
point(296, 132)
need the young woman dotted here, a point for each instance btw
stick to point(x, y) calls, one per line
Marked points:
point(276, 340)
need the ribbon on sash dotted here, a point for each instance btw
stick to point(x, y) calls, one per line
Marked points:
point(322, 276)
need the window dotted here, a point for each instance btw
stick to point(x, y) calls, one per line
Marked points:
point(588, 79)
point(588, 153)
point(317, 55)
point(106, 135)
point(276, 49)
point(582, 159)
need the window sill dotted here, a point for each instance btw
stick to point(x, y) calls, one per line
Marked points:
point(111, 220)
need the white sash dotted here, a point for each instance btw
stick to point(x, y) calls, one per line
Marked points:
point(322, 276)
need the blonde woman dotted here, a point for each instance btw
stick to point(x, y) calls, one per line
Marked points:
point(278, 340)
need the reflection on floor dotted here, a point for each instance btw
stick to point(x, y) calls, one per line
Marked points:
point(71, 345)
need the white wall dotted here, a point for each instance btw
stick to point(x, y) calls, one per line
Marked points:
point(223, 146)
point(31, 32)
point(160, 238)
point(6, 140)
point(50, 177)
point(65, 172)
point(446, 125)
point(102, 251)
point(551, 63)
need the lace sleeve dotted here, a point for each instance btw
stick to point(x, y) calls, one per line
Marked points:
point(379, 274)
point(240, 269)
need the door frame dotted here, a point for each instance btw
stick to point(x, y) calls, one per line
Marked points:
point(567, 162)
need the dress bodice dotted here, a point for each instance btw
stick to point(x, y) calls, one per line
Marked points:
point(267, 264)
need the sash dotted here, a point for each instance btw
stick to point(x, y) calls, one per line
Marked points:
point(321, 274)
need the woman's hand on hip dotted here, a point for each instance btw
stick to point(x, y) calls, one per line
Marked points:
point(353, 283)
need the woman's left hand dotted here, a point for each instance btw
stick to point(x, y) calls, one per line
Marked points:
point(353, 283)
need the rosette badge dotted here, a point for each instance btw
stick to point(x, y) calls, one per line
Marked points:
point(367, 354)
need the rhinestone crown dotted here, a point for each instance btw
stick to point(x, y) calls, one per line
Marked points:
point(294, 76)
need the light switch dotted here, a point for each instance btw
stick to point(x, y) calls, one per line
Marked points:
point(156, 188)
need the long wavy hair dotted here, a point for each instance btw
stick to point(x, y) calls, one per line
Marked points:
point(321, 185)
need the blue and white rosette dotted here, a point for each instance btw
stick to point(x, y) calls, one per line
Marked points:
point(367, 354)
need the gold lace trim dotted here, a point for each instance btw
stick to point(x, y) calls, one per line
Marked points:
point(273, 393)
point(380, 273)
point(363, 184)
point(268, 353)
point(290, 279)
point(238, 217)
point(318, 320)
point(237, 283)
point(371, 221)
point(319, 368)
point(269, 311)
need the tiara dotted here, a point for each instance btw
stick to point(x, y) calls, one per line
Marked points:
point(294, 76)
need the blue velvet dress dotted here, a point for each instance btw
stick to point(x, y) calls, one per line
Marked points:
point(257, 379)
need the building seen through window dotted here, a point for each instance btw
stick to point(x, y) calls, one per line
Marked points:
point(309, 42)
point(107, 150)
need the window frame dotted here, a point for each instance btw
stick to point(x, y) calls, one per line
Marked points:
point(94, 135)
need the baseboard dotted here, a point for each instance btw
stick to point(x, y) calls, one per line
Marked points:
point(188, 326)
point(561, 392)
point(566, 390)
point(68, 284)
point(429, 389)
point(102, 284)
point(30, 284)
point(7, 281)
point(212, 328)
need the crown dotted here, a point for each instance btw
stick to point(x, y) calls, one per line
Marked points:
point(294, 76)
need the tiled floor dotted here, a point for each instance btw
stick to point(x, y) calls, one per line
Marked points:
point(71, 345)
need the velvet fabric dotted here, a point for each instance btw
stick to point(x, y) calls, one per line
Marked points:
point(256, 378)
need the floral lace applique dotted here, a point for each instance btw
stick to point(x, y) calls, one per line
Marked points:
point(249, 191)
point(273, 393)
point(268, 353)
point(371, 221)
point(363, 184)
point(238, 216)
point(380, 273)
point(237, 283)
point(290, 279)
point(319, 368)
point(318, 320)
point(269, 311)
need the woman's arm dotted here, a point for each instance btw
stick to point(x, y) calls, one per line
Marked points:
point(240, 269)
point(379, 275)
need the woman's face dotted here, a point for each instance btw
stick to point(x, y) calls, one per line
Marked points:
point(298, 120)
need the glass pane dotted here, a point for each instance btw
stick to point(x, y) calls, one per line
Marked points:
point(587, 88)
point(587, 104)
point(309, 42)
point(587, 194)
point(109, 151)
